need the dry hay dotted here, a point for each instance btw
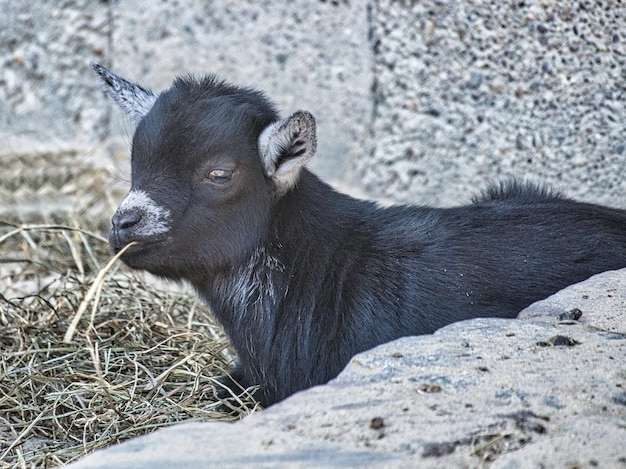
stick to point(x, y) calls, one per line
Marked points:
point(144, 357)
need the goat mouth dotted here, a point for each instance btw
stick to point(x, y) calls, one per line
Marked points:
point(136, 249)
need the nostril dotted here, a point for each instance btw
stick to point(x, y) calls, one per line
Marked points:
point(126, 220)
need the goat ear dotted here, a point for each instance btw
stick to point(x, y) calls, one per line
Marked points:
point(133, 99)
point(285, 146)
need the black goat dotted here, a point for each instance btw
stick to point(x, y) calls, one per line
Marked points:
point(303, 277)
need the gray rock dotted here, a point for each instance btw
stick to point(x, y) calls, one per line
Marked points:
point(492, 392)
point(599, 307)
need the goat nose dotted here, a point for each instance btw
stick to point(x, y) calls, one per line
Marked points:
point(125, 220)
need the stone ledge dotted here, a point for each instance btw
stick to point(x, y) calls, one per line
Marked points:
point(502, 393)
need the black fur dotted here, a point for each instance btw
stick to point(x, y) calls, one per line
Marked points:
point(303, 280)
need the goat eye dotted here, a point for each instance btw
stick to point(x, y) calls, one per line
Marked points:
point(220, 176)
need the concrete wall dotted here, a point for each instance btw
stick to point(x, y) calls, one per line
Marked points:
point(415, 101)
point(309, 55)
point(472, 91)
point(60, 135)
point(52, 115)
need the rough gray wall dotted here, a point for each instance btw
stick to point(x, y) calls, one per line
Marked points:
point(61, 137)
point(52, 115)
point(309, 55)
point(471, 91)
point(415, 101)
